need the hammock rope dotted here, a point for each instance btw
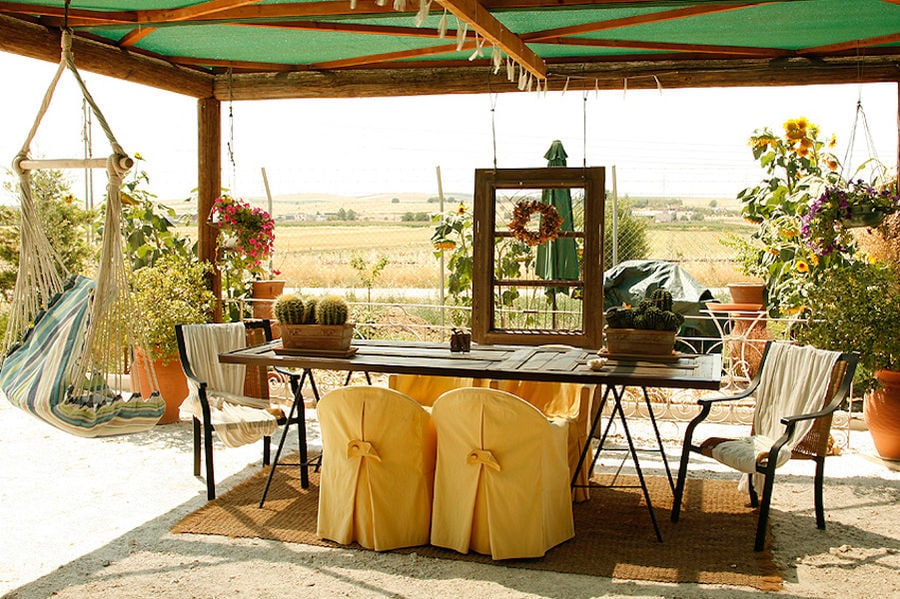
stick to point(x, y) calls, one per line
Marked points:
point(65, 332)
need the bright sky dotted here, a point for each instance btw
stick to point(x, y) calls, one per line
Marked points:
point(684, 143)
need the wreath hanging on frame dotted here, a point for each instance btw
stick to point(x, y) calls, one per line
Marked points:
point(550, 222)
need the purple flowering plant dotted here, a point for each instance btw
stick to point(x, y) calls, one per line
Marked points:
point(824, 227)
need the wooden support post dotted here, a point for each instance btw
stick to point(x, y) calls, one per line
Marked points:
point(209, 186)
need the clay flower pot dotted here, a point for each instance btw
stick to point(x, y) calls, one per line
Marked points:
point(882, 413)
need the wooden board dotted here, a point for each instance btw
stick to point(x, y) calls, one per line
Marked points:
point(330, 353)
point(673, 357)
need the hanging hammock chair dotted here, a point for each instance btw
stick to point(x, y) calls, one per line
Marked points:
point(69, 338)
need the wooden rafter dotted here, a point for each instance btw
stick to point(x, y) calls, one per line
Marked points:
point(134, 36)
point(187, 13)
point(656, 17)
point(342, 27)
point(482, 21)
point(670, 47)
point(389, 56)
point(853, 44)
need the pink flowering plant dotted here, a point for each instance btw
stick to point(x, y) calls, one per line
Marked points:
point(246, 239)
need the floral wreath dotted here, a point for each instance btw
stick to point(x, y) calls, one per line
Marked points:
point(550, 222)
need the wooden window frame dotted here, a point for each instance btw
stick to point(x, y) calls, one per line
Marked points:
point(487, 181)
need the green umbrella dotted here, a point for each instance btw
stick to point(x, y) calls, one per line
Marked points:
point(558, 259)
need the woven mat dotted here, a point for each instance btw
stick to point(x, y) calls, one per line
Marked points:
point(712, 544)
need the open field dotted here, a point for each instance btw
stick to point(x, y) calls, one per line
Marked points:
point(312, 250)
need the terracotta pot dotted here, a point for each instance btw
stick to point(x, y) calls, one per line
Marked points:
point(264, 294)
point(882, 413)
point(170, 378)
point(748, 293)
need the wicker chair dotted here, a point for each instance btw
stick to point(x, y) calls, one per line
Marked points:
point(758, 456)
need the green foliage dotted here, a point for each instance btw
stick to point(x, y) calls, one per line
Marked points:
point(148, 227)
point(172, 291)
point(858, 309)
point(452, 238)
point(368, 273)
point(67, 226)
point(332, 310)
point(289, 308)
point(633, 243)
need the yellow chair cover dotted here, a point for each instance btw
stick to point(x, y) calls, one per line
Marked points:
point(502, 478)
point(425, 389)
point(562, 400)
point(377, 475)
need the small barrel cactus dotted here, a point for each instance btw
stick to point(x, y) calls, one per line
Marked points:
point(332, 310)
point(661, 298)
point(309, 316)
point(654, 312)
point(289, 308)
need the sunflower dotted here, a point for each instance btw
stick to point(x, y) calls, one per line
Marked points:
point(802, 266)
point(461, 209)
point(445, 245)
point(832, 165)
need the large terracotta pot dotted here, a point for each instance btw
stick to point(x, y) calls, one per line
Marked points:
point(882, 413)
point(171, 380)
point(264, 294)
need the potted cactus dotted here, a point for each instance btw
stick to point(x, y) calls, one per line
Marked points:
point(647, 329)
point(313, 324)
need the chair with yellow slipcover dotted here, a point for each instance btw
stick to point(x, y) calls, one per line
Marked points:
point(561, 400)
point(797, 390)
point(425, 388)
point(377, 475)
point(502, 478)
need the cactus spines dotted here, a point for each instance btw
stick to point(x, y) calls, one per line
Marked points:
point(289, 308)
point(332, 310)
point(309, 315)
point(654, 312)
point(661, 298)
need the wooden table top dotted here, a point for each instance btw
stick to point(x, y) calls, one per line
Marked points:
point(541, 363)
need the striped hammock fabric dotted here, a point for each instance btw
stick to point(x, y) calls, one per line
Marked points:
point(37, 374)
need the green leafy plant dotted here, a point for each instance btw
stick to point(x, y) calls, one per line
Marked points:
point(858, 309)
point(368, 273)
point(68, 227)
point(172, 291)
point(150, 229)
point(452, 238)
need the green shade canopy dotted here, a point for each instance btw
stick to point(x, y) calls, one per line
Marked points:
point(247, 49)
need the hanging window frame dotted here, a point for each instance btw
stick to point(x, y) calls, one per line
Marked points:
point(487, 182)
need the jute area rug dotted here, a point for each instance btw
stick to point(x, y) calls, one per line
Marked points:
point(712, 544)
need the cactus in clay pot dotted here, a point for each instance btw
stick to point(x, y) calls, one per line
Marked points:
point(332, 310)
point(289, 308)
point(654, 312)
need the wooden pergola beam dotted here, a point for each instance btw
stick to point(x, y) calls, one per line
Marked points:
point(36, 41)
point(488, 27)
point(440, 78)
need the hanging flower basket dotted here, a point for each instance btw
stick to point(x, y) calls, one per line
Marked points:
point(863, 217)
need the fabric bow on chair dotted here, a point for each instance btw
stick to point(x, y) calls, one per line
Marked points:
point(797, 390)
point(377, 468)
point(502, 478)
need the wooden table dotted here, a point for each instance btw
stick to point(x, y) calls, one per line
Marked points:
point(547, 363)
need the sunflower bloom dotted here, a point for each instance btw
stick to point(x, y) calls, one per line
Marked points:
point(461, 209)
point(802, 123)
point(814, 260)
point(802, 266)
point(833, 141)
point(832, 165)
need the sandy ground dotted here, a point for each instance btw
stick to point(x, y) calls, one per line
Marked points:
point(91, 518)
